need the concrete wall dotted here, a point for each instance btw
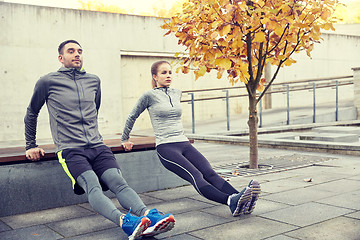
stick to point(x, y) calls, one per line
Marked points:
point(120, 49)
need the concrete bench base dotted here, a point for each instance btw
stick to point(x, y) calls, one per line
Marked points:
point(35, 186)
point(329, 137)
point(338, 129)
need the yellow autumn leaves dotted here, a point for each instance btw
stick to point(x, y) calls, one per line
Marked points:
point(239, 36)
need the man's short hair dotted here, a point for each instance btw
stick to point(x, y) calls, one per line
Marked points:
point(61, 46)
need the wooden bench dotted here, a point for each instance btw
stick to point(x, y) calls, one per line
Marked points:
point(28, 186)
point(12, 155)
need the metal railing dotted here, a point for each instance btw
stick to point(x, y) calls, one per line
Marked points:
point(301, 85)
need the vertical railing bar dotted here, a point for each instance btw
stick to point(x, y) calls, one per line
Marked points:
point(337, 101)
point(227, 111)
point(314, 102)
point(287, 105)
point(192, 112)
point(260, 113)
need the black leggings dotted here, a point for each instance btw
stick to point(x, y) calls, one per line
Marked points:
point(188, 163)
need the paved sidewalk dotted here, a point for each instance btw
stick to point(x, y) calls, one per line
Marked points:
point(328, 207)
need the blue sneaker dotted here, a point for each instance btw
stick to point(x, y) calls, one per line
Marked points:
point(134, 226)
point(239, 202)
point(256, 190)
point(160, 223)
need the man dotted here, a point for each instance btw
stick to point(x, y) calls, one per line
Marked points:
point(73, 100)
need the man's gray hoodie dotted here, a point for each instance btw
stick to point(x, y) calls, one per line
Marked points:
point(73, 100)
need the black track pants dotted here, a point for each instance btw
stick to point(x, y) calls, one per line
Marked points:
point(188, 163)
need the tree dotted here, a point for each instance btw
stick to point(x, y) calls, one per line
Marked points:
point(239, 37)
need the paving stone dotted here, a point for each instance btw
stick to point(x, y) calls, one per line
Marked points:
point(4, 227)
point(250, 228)
point(273, 177)
point(78, 226)
point(347, 200)
point(299, 196)
point(87, 206)
point(108, 234)
point(200, 198)
point(223, 211)
point(228, 153)
point(355, 178)
point(173, 193)
point(283, 185)
point(177, 237)
point(354, 215)
point(343, 160)
point(263, 206)
point(351, 169)
point(338, 186)
point(306, 214)
point(240, 182)
point(192, 221)
point(317, 176)
point(46, 216)
point(146, 199)
point(321, 172)
point(281, 237)
point(339, 228)
point(30, 233)
point(181, 205)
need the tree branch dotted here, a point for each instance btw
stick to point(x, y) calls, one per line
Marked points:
point(282, 35)
point(272, 80)
point(250, 70)
point(260, 66)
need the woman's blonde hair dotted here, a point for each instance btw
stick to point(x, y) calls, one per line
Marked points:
point(154, 71)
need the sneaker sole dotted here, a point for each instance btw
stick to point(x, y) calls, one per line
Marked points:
point(145, 223)
point(243, 202)
point(162, 226)
point(256, 190)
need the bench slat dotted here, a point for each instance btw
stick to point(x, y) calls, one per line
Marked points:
point(17, 154)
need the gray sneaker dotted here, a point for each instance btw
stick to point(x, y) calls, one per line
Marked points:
point(256, 190)
point(239, 202)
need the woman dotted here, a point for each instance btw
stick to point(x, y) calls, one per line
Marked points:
point(174, 149)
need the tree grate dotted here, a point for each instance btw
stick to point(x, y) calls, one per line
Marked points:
point(269, 165)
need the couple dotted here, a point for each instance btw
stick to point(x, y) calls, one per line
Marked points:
point(73, 100)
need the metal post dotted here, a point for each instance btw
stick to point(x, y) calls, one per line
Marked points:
point(287, 104)
point(227, 110)
point(192, 112)
point(337, 101)
point(260, 114)
point(314, 103)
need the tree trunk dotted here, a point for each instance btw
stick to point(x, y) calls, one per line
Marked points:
point(253, 126)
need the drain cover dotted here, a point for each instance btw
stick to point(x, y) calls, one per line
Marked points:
point(269, 165)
